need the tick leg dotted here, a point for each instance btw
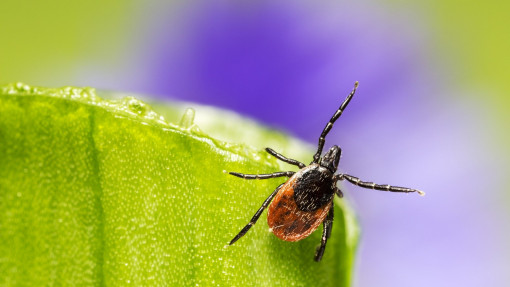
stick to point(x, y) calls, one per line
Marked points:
point(263, 176)
point(328, 127)
point(326, 233)
point(282, 158)
point(371, 185)
point(338, 192)
point(256, 216)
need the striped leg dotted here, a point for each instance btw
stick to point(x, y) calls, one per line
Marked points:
point(282, 158)
point(256, 216)
point(371, 185)
point(326, 233)
point(338, 192)
point(328, 127)
point(263, 176)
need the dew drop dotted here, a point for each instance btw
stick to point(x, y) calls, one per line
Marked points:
point(187, 118)
point(137, 107)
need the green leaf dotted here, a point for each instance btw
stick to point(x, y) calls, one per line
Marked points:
point(106, 192)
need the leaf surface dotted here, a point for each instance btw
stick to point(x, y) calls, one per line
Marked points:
point(107, 192)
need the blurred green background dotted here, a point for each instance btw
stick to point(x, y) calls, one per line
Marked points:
point(452, 55)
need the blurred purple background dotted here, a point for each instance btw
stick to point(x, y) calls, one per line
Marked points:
point(412, 123)
point(291, 65)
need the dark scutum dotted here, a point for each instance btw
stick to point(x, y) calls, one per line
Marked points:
point(313, 188)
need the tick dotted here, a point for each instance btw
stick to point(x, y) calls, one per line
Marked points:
point(298, 206)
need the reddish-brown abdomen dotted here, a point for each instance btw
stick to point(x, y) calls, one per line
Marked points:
point(287, 221)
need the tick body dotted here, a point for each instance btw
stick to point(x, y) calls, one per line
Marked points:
point(301, 204)
point(298, 206)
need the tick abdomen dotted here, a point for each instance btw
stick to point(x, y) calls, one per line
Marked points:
point(286, 219)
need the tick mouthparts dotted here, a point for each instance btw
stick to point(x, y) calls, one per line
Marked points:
point(420, 192)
